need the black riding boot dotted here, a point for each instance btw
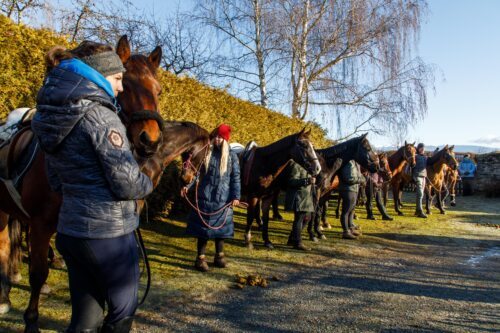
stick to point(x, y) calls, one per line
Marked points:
point(122, 326)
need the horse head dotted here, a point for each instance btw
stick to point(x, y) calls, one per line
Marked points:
point(384, 167)
point(449, 157)
point(409, 153)
point(140, 99)
point(365, 155)
point(304, 154)
point(195, 154)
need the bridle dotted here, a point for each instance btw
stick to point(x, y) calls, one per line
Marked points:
point(189, 165)
point(307, 160)
point(141, 116)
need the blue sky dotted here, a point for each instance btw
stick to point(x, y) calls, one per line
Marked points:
point(462, 38)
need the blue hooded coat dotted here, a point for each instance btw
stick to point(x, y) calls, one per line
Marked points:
point(88, 156)
point(214, 192)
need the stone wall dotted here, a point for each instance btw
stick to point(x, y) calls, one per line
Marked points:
point(488, 173)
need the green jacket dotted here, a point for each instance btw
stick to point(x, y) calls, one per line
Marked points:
point(299, 190)
point(350, 177)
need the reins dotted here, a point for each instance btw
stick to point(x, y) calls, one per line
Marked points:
point(195, 206)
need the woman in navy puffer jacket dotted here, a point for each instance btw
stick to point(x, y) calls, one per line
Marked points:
point(89, 161)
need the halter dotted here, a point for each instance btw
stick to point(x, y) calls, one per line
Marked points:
point(189, 165)
point(305, 159)
point(141, 116)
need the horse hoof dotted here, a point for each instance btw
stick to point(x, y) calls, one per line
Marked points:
point(45, 289)
point(58, 264)
point(4, 308)
point(443, 212)
point(322, 237)
point(320, 228)
point(314, 239)
point(16, 278)
point(269, 245)
point(400, 214)
point(453, 204)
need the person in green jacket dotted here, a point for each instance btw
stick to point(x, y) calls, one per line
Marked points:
point(350, 178)
point(299, 199)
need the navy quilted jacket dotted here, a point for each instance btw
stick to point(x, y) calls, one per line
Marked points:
point(88, 157)
point(214, 192)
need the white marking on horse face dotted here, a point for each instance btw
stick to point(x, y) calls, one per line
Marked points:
point(317, 166)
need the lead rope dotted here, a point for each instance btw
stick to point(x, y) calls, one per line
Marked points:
point(142, 248)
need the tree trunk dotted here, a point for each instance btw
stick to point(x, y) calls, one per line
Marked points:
point(258, 52)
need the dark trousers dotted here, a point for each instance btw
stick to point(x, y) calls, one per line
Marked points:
point(348, 208)
point(299, 222)
point(100, 271)
point(202, 245)
point(372, 190)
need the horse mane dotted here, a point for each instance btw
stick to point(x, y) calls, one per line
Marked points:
point(392, 159)
point(278, 145)
point(198, 130)
point(435, 157)
point(330, 153)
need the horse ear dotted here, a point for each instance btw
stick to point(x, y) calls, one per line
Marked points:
point(414, 143)
point(308, 132)
point(406, 144)
point(445, 147)
point(452, 147)
point(364, 135)
point(155, 57)
point(123, 49)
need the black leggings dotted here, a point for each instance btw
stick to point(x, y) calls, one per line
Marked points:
point(100, 271)
point(202, 245)
point(349, 199)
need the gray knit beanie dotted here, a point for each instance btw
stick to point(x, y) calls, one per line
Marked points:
point(107, 63)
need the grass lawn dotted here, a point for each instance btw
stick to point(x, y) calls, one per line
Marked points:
point(172, 255)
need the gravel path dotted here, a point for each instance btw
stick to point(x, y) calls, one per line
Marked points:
point(385, 283)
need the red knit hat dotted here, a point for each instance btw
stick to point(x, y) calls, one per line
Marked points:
point(224, 131)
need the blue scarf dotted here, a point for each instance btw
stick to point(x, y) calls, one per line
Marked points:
point(79, 67)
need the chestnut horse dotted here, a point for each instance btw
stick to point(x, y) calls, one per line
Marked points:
point(147, 134)
point(268, 163)
point(399, 161)
point(450, 185)
point(436, 165)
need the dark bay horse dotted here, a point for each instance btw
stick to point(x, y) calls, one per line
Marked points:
point(399, 161)
point(436, 165)
point(268, 163)
point(332, 160)
point(147, 134)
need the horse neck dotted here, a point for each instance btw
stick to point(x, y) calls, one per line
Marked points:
point(335, 152)
point(276, 154)
point(396, 160)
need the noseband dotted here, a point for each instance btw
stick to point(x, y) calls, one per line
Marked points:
point(142, 116)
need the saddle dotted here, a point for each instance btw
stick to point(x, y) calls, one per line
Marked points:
point(16, 155)
point(247, 160)
point(12, 150)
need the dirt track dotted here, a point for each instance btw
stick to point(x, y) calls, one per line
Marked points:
point(401, 281)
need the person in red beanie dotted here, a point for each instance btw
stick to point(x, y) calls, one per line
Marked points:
point(218, 191)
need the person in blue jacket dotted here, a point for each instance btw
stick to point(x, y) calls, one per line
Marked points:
point(467, 171)
point(89, 161)
point(218, 187)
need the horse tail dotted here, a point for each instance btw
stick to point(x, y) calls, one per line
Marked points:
point(15, 235)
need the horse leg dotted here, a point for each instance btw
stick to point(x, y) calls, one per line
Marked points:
point(324, 213)
point(428, 199)
point(317, 219)
point(337, 211)
point(395, 195)
point(4, 263)
point(440, 203)
point(266, 205)
point(276, 212)
point(55, 261)
point(257, 214)
point(252, 202)
point(38, 272)
point(15, 236)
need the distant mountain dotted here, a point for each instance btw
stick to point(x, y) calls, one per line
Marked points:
point(458, 149)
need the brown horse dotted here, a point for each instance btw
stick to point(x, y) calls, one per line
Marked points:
point(399, 161)
point(43, 205)
point(436, 165)
point(450, 183)
point(268, 163)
